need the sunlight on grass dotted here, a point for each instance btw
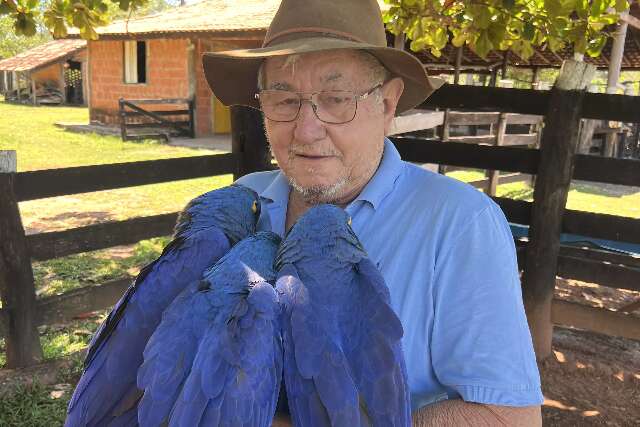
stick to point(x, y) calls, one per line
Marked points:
point(40, 145)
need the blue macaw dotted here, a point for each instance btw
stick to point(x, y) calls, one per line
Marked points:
point(343, 361)
point(216, 358)
point(208, 227)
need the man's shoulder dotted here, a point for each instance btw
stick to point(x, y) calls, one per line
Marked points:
point(431, 190)
point(258, 181)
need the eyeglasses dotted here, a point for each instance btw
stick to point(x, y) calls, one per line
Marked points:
point(329, 106)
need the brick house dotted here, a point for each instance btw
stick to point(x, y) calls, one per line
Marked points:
point(54, 72)
point(159, 57)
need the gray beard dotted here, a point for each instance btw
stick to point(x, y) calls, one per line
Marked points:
point(317, 194)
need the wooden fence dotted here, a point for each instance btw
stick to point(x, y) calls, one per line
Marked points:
point(138, 123)
point(542, 254)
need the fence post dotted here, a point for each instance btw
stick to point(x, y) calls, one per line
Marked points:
point(123, 119)
point(248, 141)
point(557, 149)
point(17, 289)
point(493, 175)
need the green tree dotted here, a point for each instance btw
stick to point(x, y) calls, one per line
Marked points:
point(12, 44)
point(60, 15)
point(516, 25)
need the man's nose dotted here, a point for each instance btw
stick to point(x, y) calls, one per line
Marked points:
point(308, 127)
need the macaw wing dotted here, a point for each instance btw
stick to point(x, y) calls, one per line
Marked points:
point(235, 379)
point(318, 380)
point(374, 349)
point(116, 352)
point(169, 354)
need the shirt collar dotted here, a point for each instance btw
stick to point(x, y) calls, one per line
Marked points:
point(378, 187)
point(383, 181)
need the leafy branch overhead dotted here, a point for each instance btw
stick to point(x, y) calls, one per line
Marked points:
point(517, 25)
point(60, 15)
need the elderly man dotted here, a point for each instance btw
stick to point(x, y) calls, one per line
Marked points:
point(329, 88)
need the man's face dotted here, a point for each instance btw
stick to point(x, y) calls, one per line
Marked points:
point(329, 162)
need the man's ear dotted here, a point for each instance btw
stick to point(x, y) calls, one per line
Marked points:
point(391, 92)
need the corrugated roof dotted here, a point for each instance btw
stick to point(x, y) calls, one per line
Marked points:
point(207, 16)
point(42, 55)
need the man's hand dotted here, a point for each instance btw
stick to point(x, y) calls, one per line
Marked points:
point(461, 413)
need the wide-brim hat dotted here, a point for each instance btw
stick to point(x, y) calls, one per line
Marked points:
point(305, 26)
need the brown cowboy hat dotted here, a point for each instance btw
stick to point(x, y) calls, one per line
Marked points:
point(302, 26)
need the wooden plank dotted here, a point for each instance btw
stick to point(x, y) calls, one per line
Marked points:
point(504, 179)
point(559, 142)
point(600, 272)
point(159, 101)
point(57, 244)
point(520, 139)
point(595, 319)
point(62, 308)
point(608, 170)
point(524, 119)
point(83, 179)
point(17, 289)
point(248, 141)
point(473, 139)
point(159, 113)
point(529, 101)
point(508, 159)
point(493, 174)
point(516, 211)
point(602, 226)
point(459, 118)
point(600, 255)
point(417, 121)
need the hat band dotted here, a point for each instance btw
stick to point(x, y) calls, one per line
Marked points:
point(326, 31)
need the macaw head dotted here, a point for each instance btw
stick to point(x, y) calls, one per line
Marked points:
point(323, 231)
point(249, 261)
point(235, 209)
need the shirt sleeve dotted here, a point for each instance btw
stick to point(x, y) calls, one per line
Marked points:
point(481, 345)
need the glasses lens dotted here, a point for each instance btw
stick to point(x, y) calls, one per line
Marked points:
point(336, 106)
point(280, 105)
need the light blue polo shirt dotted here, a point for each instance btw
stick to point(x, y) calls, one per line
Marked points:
point(448, 257)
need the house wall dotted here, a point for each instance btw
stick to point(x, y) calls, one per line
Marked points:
point(174, 70)
point(167, 75)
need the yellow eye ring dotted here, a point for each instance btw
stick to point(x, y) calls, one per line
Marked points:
point(254, 207)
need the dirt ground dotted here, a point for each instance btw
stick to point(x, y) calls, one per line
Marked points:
point(592, 379)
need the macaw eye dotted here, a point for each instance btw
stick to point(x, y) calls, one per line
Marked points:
point(254, 207)
point(349, 222)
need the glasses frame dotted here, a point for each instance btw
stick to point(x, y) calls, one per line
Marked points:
point(314, 106)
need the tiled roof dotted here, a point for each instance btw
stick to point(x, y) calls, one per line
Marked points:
point(207, 16)
point(42, 55)
point(210, 16)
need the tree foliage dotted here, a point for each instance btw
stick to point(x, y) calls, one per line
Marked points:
point(60, 15)
point(12, 44)
point(516, 25)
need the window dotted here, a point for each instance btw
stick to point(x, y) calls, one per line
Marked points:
point(135, 61)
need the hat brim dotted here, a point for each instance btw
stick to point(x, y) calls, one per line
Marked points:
point(233, 75)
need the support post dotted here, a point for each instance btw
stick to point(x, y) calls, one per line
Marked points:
point(248, 141)
point(123, 119)
point(557, 150)
point(493, 175)
point(34, 98)
point(456, 71)
point(17, 288)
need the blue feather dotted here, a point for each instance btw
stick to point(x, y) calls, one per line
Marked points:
point(344, 363)
point(230, 365)
point(205, 232)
